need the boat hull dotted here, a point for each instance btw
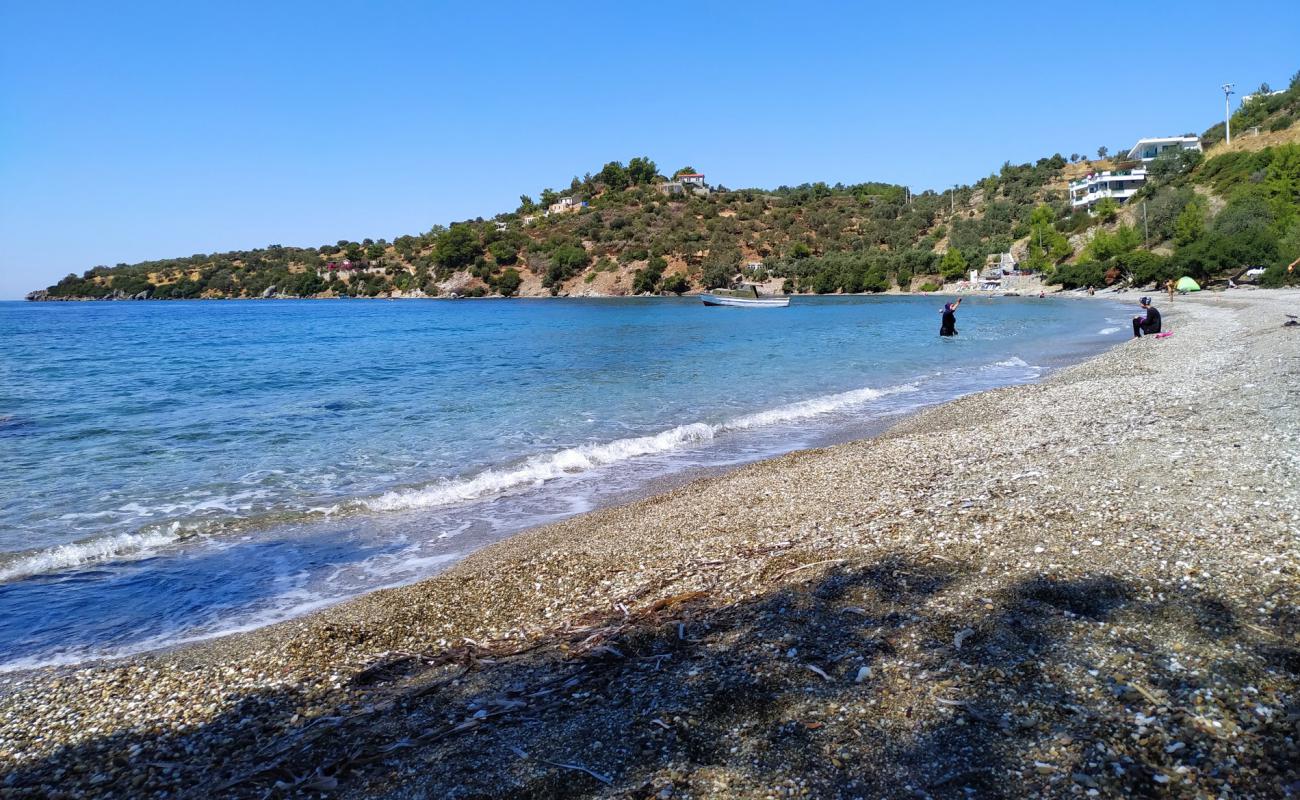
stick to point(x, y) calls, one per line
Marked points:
point(745, 302)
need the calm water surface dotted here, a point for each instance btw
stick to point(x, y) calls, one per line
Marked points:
point(172, 471)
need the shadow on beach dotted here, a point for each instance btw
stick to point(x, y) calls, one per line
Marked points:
point(881, 678)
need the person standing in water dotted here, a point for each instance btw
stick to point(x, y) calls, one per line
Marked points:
point(948, 327)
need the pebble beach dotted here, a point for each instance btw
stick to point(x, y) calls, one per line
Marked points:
point(1086, 586)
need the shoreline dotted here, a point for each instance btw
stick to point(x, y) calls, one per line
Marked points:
point(975, 566)
point(872, 418)
point(895, 292)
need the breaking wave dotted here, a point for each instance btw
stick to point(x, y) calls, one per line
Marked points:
point(542, 468)
point(534, 471)
point(76, 554)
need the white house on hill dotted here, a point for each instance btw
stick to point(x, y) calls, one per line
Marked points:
point(1149, 149)
point(1122, 184)
point(1118, 184)
point(566, 205)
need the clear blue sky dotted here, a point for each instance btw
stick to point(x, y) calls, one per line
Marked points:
point(133, 131)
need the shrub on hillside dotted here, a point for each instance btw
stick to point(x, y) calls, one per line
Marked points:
point(647, 279)
point(675, 284)
point(1081, 274)
point(508, 283)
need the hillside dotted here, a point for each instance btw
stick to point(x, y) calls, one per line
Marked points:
point(626, 239)
point(630, 230)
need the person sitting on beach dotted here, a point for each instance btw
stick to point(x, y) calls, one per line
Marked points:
point(948, 327)
point(1150, 322)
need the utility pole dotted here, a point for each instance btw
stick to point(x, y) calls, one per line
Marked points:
point(953, 198)
point(1145, 227)
point(1227, 113)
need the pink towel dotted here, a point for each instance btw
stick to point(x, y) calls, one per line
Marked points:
point(1163, 335)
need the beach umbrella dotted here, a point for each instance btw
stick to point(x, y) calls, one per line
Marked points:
point(1186, 284)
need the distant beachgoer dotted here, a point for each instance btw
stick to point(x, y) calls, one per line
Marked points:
point(1091, 291)
point(1149, 322)
point(1169, 287)
point(1041, 294)
point(949, 325)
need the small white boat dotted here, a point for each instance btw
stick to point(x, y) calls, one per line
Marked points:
point(748, 297)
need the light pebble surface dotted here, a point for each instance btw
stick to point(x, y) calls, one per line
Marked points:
point(1083, 587)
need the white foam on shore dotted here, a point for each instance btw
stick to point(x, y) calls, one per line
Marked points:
point(575, 460)
point(534, 471)
point(539, 469)
point(1108, 331)
point(1014, 361)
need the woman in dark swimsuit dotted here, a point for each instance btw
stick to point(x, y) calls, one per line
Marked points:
point(949, 325)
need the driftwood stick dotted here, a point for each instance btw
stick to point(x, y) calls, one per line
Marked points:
point(575, 767)
point(807, 566)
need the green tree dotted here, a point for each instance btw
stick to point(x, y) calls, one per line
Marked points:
point(509, 281)
point(1102, 151)
point(1174, 162)
point(684, 171)
point(720, 266)
point(1107, 209)
point(566, 261)
point(614, 176)
point(1084, 273)
point(675, 283)
point(953, 265)
point(1047, 245)
point(503, 252)
point(1282, 184)
point(457, 247)
point(647, 279)
point(1245, 212)
point(642, 170)
point(1190, 224)
point(1288, 247)
point(1105, 246)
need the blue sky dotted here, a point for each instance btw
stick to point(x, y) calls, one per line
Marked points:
point(148, 130)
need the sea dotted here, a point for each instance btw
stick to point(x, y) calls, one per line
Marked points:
point(175, 471)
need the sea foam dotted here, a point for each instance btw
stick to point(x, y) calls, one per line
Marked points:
point(76, 554)
point(534, 471)
point(575, 460)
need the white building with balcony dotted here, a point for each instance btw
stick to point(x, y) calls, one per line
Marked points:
point(1149, 149)
point(1118, 184)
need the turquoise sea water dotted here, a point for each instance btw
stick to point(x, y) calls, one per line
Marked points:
point(172, 471)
